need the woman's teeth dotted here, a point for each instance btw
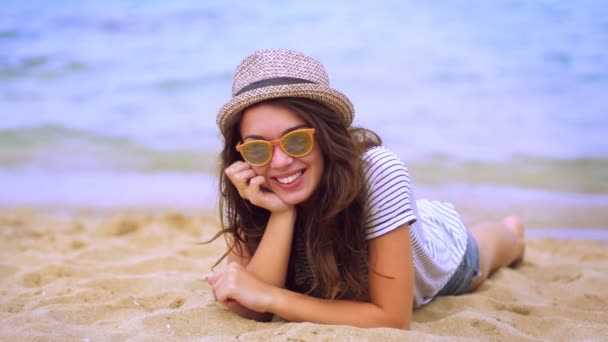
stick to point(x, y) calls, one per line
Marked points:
point(290, 179)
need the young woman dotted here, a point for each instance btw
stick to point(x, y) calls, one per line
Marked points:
point(321, 220)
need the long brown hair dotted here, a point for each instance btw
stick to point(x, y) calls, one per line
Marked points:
point(332, 229)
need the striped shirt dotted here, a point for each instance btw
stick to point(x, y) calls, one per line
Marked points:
point(437, 235)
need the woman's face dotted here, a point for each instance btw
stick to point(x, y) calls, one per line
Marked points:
point(292, 179)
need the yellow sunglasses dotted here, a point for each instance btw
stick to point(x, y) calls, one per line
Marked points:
point(295, 144)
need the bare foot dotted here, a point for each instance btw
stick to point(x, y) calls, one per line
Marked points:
point(515, 224)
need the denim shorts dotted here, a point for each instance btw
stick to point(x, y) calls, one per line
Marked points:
point(466, 272)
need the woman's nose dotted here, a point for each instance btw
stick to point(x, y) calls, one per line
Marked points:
point(280, 159)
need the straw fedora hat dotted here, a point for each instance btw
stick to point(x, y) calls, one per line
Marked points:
point(273, 73)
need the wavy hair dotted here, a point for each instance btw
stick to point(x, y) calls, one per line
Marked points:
point(331, 230)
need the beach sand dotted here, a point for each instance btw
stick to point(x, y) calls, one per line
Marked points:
point(94, 275)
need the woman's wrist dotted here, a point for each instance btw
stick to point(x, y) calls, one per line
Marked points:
point(287, 216)
point(274, 299)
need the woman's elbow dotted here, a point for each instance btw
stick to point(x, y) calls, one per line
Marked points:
point(403, 325)
point(395, 320)
point(399, 321)
point(399, 324)
point(392, 323)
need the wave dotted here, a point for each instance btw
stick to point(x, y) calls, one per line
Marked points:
point(58, 148)
point(53, 147)
point(586, 175)
point(40, 67)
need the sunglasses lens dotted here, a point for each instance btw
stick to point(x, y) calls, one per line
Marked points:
point(297, 143)
point(256, 153)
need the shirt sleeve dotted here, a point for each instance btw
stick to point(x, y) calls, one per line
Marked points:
point(389, 203)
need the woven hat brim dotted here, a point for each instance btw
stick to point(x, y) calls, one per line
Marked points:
point(329, 97)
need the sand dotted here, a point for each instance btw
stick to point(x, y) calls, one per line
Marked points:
point(138, 276)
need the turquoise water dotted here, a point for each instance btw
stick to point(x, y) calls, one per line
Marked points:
point(101, 91)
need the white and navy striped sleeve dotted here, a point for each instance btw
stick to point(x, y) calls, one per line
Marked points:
point(389, 203)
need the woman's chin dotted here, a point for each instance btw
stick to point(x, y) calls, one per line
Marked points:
point(292, 200)
point(293, 197)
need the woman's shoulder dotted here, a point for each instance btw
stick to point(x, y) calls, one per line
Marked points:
point(380, 163)
point(380, 156)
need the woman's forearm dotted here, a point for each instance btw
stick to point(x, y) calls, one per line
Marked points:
point(297, 307)
point(274, 249)
point(271, 258)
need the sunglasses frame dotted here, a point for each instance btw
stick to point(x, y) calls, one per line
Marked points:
point(308, 131)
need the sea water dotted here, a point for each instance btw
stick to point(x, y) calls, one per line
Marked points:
point(114, 102)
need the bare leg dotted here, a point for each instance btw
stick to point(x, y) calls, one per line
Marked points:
point(500, 244)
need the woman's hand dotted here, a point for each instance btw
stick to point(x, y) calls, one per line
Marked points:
point(251, 187)
point(234, 285)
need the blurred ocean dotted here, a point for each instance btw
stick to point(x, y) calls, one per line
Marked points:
point(114, 102)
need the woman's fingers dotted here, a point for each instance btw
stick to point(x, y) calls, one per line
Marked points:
point(255, 185)
point(251, 187)
point(247, 182)
point(262, 197)
point(224, 284)
point(238, 166)
point(211, 278)
point(241, 178)
point(240, 174)
point(215, 281)
point(235, 285)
